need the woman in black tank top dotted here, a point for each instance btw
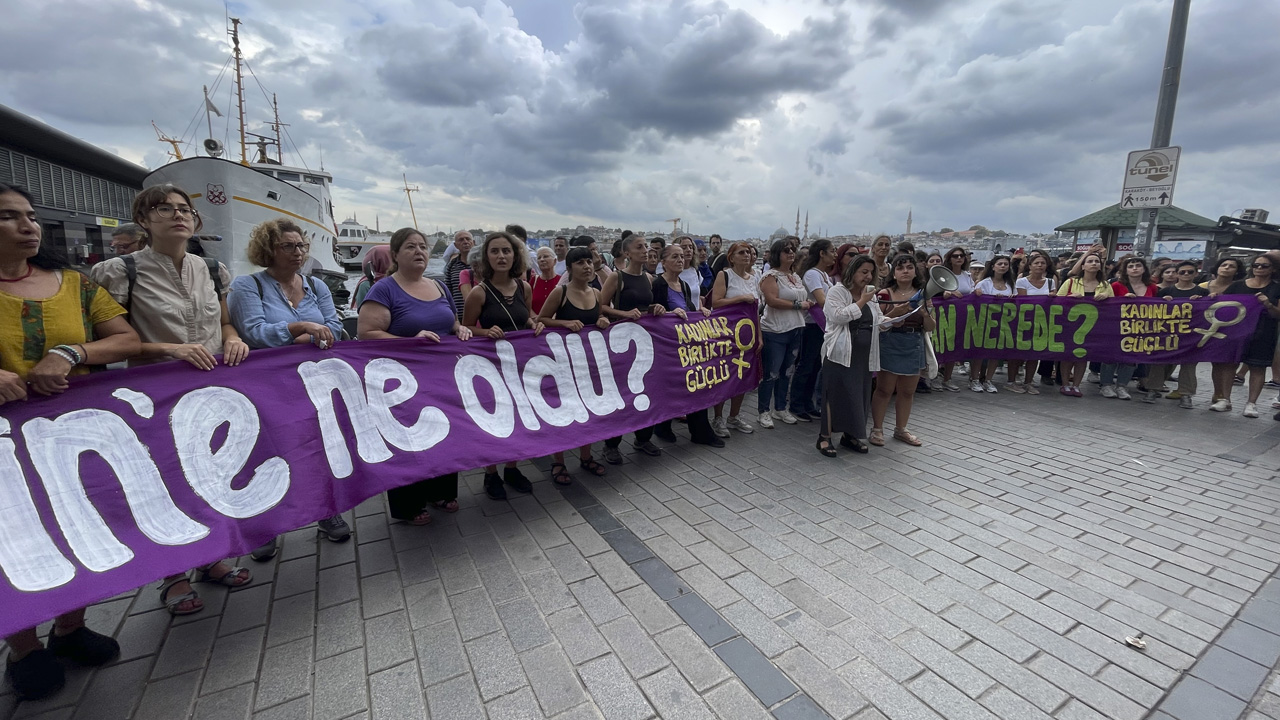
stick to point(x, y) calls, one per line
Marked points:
point(561, 311)
point(628, 295)
point(497, 306)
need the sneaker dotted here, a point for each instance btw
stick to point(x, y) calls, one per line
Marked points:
point(648, 448)
point(720, 427)
point(950, 386)
point(493, 487)
point(936, 385)
point(517, 480)
point(612, 456)
point(784, 416)
point(1221, 405)
point(975, 386)
point(36, 676)
point(1150, 396)
point(1015, 388)
point(335, 529)
point(804, 416)
point(1174, 395)
point(1237, 381)
point(713, 441)
point(84, 646)
point(665, 435)
point(1093, 377)
point(740, 425)
point(1275, 405)
point(765, 420)
point(987, 386)
point(1184, 402)
point(962, 369)
point(266, 550)
point(1030, 389)
point(1123, 393)
point(1109, 391)
point(1250, 410)
point(1272, 383)
point(922, 386)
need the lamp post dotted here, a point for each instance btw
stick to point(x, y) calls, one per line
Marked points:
point(1165, 105)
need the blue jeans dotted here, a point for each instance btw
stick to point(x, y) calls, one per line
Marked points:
point(778, 355)
point(805, 377)
point(1113, 374)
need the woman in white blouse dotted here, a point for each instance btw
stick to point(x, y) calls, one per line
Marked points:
point(998, 281)
point(1036, 280)
point(850, 354)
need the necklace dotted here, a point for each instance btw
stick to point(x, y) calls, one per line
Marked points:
point(30, 269)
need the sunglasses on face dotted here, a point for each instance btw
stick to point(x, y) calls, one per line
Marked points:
point(1261, 266)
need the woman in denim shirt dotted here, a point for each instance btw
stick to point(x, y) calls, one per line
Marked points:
point(279, 306)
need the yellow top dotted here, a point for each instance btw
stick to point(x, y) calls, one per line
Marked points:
point(1074, 287)
point(28, 328)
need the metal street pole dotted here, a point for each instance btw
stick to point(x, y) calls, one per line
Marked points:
point(1162, 133)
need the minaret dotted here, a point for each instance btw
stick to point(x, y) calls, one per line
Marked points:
point(797, 220)
point(908, 221)
point(806, 224)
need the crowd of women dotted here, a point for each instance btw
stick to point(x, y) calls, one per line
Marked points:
point(844, 335)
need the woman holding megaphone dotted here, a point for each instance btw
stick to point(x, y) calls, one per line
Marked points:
point(850, 353)
point(908, 316)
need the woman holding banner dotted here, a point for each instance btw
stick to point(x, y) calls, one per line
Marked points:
point(786, 304)
point(406, 304)
point(1035, 281)
point(1086, 280)
point(499, 305)
point(54, 323)
point(177, 303)
point(902, 350)
point(1134, 281)
point(850, 354)
point(957, 261)
point(998, 280)
point(1261, 350)
point(676, 295)
point(738, 283)
point(279, 307)
point(1184, 288)
point(564, 309)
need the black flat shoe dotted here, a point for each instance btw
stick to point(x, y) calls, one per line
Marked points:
point(517, 480)
point(665, 436)
point(854, 445)
point(493, 487)
point(84, 647)
point(713, 441)
point(36, 676)
point(824, 447)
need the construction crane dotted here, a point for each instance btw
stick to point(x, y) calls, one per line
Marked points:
point(176, 153)
point(675, 225)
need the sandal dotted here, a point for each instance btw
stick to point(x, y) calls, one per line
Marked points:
point(854, 444)
point(231, 578)
point(449, 506)
point(824, 446)
point(877, 437)
point(591, 466)
point(173, 604)
point(422, 518)
point(561, 476)
point(904, 435)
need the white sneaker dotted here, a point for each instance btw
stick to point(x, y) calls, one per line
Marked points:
point(989, 387)
point(785, 416)
point(1123, 393)
point(975, 386)
point(963, 368)
point(765, 420)
point(1275, 405)
point(1093, 378)
point(950, 386)
point(740, 425)
point(1250, 410)
point(1109, 391)
point(719, 427)
point(1221, 405)
point(936, 385)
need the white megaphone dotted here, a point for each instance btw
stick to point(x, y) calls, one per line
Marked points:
point(940, 280)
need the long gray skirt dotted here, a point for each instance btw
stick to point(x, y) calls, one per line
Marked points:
point(846, 393)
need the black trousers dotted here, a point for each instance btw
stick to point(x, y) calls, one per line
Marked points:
point(699, 426)
point(409, 500)
point(643, 435)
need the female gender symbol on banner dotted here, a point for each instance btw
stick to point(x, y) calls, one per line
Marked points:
point(1211, 314)
point(743, 347)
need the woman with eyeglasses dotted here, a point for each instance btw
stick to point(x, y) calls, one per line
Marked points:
point(786, 305)
point(1184, 288)
point(1134, 281)
point(902, 350)
point(279, 306)
point(1086, 279)
point(1035, 281)
point(1260, 352)
point(880, 249)
point(177, 304)
point(851, 353)
point(957, 261)
point(815, 272)
point(998, 280)
point(736, 284)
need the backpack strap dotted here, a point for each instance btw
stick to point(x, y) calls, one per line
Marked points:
point(258, 281)
point(131, 271)
point(214, 275)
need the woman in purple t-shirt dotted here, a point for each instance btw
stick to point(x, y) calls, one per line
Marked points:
point(406, 304)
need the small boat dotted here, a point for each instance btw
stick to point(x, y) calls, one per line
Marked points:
point(354, 240)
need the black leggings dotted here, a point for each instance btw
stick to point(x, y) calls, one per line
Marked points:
point(643, 435)
point(699, 426)
point(409, 500)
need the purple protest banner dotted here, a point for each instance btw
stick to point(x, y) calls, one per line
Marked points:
point(133, 475)
point(1115, 330)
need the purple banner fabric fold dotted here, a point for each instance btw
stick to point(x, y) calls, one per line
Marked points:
point(1115, 330)
point(133, 475)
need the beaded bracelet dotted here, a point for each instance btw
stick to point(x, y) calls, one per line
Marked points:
point(68, 353)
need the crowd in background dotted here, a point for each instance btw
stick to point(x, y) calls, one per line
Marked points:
point(845, 334)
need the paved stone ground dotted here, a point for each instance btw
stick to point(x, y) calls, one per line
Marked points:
point(992, 573)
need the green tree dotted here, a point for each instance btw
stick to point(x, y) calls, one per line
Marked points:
point(977, 227)
point(946, 230)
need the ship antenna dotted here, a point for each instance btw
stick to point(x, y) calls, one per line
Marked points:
point(275, 107)
point(235, 46)
point(408, 190)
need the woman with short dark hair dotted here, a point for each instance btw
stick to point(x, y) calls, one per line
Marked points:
point(902, 350)
point(850, 354)
point(998, 280)
point(1261, 350)
point(786, 304)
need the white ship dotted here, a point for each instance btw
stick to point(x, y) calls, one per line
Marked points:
point(232, 197)
point(354, 240)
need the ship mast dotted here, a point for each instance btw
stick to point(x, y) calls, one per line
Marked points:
point(407, 191)
point(235, 45)
point(275, 107)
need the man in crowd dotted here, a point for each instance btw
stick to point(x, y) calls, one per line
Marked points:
point(713, 248)
point(561, 246)
point(127, 238)
point(462, 242)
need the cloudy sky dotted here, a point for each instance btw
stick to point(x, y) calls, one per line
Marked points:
point(1013, 114)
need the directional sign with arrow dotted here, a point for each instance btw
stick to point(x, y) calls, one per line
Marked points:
point(1149, 178)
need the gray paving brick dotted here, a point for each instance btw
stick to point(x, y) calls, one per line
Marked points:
point(709, 586)
point(586, 539)
point(501, 582)
point(598, 600)
point(292, 618)
point(671, 552)
point(757, 591)
point(888, 657)
point(654, 614)
point(495, 666)
point(416, 566)
point(577, 635)
point(142, 634)
point(762, 565)
point(234, 661)
point(440, 647)
point(339, 629)
point(245, 608)
point(456, 698)
point(672, 696)
point(692, 656)
point(340, 686)
point(286, 674)
point(376, 557)
point(230, 704)
point(172, 697)
point(458, 573)
point(569, 563)
point(338, 585)
point(552, 678)
point(524, 624)
point(397, 693)
point(680, 531)
point(938, 659)
point(380, 594)
point(947, 700)
point(614, 692)
point(332, 554)
point(186, 648)
point(427, 604)
point(733, 700)
point(633, 647)
point(1017, 678)
point(813, 603)
point(549, 591)
point(818, 640)
point(299, 709)
point(759, 629)
point(1086, 689)
point(1007, 705)
point(387, 641)
point(295, 576)
point(1195, 698)
point(614, 571)
point(519, 705)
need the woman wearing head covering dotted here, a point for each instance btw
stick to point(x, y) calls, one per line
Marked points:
point(376, 265)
